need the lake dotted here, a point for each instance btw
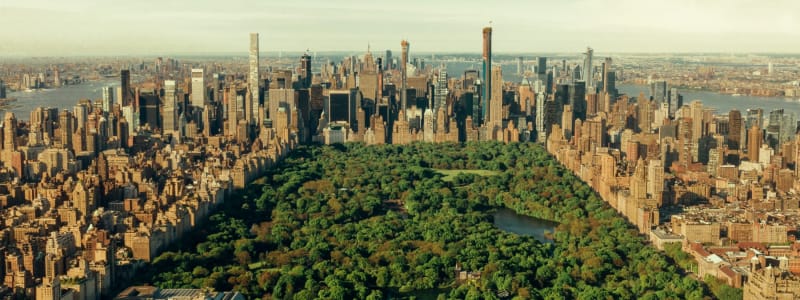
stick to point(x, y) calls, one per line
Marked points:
point(509, 221)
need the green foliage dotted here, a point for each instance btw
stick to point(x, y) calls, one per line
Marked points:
point(683, 259)
point(722, 290)
point(380, 222)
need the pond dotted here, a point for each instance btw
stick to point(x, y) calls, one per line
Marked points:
point(510, 221)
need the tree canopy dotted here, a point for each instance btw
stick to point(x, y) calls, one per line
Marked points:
point(355, 222)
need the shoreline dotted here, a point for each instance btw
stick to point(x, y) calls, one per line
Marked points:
point(686, 88)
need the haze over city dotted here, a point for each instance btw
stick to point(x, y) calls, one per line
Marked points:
point(84, 27)
point(579, 149)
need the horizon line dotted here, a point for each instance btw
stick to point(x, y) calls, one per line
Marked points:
point(279, 54)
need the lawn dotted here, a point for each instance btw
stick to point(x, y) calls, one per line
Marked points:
point(449, 175)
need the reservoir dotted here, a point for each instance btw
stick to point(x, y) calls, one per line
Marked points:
point(509, 221)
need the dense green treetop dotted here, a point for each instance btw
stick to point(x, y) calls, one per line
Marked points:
point(377, 222)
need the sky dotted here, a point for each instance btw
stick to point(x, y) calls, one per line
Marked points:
point(163, 27)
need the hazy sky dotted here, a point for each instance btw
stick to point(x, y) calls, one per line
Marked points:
point(118, 27)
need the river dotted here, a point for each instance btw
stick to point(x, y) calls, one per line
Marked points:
point(64, 97)
point(723, 103)
point(509, 221)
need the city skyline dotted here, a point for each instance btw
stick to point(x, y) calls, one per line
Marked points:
point(87, 27)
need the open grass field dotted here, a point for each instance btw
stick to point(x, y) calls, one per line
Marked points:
point(449, 175)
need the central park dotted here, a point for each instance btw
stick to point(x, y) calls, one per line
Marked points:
point(420, 221)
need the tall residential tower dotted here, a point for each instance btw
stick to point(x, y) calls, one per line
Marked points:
point(403, 75)
point(487, 72)
point(252, 80)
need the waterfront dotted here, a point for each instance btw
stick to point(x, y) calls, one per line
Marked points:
point(723, 103)
point(62, 98)
point(67, 96)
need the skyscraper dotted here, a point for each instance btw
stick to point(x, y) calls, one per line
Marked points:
point(65, 129)
point(81, 113)
point(125, 87)
point(441, 90)
point(735, 125)
point(2, 89)
point(755, 117)
point(658, 90)
point(487, 72)
point(773, 132)
point(305, 70)
point(403, 76)
point(198, 88)
point(609, 79)
point(170, 106)
point(588, 74)
point(541, 68)
point(519, 65)
point(388, 63)
point(10, 132)
point(755, 139)
point(496, 98)
point(56, 78)
point(541, 133)
point(254, 77)
point(108, 98)
point(577, 98)
point(675, 101)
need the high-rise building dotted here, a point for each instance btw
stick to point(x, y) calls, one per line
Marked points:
point(440, 98)
point(233, 111)
point(588, 74)
point(755, 117)
point(388, 63)
point(658, 90)
point(541, 67)
point(56, 78)
point(755, 138)
point(403, 75)
point(305, 71)
point(65, 129)
point(339, 107)
point(81, 113)
point(577, 99)
point(520, 65)
point(2, 89)
point(170, 119)
point(487, 72)
point(609, 79)
point(254, 77)
point(655, 178)
point(496, 99)
point(10, 132)
point(788, 127)
point(108, 99)
point(198, 88)
point(541, 133)
point(125, 87)
point(773, 132)
point(735, 126)
point(675, 101)
point(132, 120)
